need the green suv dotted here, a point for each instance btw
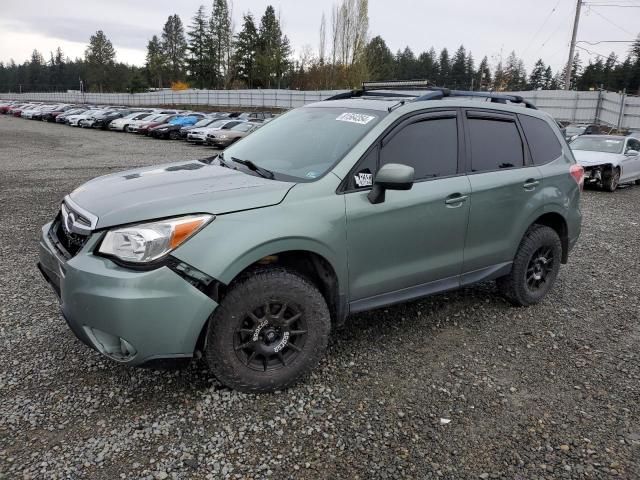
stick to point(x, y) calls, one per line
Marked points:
point(255, 256)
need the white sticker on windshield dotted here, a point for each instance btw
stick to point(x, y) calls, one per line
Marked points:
point(359, 118)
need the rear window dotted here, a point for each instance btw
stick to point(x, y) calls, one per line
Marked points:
point(543, 143)
point(495, 145)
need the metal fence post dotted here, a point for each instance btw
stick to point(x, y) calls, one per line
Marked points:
point(622, 104)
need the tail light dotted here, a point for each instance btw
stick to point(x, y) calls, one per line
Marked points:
point(577, 173)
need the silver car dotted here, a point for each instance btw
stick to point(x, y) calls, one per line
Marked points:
point(608, 160)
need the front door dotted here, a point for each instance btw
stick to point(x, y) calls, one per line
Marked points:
point(416, 237)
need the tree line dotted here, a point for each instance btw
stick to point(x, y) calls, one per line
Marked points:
point(210, 53)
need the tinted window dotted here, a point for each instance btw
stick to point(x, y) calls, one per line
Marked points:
point(495, 145)
point(632, 144)
point(429, 146)
point(543, 143)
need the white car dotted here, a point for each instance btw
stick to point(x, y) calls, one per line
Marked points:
point(122, 124)
point(199, 135)
point(608, 160)
point(74, 120)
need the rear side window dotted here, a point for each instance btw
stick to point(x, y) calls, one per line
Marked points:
point(429, 146)
point(495, 145)
point(543, 143)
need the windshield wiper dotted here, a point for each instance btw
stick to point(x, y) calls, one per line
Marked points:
point(263, 172)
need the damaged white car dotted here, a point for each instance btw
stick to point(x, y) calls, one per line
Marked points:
point(608, 160)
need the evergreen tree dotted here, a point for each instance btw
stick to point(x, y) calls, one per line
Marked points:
point(274, 49)
point(459, 68)
point(406, 65)
point(470, 70)
point(220, 42)
point(537, 79)
point(483, 75)
point(100, 57)
point(174, 47)
point(197, 47)
point(379, 59)
point(548, 79)
point(156, 62)
point(444, 67)
point(246, 49)
point(428, 66)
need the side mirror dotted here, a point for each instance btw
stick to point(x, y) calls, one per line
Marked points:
point(392, 176)
point(631, 153)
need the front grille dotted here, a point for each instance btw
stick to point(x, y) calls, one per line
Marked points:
point(68, 243)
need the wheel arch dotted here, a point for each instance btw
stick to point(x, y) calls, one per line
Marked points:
point(558, 223)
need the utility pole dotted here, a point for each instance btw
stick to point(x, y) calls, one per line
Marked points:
point(572, 48)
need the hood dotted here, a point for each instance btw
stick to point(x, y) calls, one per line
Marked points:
point(587, 158)
point(175, 189)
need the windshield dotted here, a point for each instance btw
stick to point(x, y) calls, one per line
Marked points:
point(243, 127)
point(304, 143)
point(204, 122)
point(575, 130)
point(598, 144)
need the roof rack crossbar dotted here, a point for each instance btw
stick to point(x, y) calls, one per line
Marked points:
point(380, 89)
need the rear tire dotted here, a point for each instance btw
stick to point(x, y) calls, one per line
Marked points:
point(611, 180)
point(535, 267)
point(637, 182)
point(270, 330)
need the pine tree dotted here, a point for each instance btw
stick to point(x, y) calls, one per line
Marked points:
point(406, 65)
point(274, 49)
point(246, 49)
point(379, 59)
point(197, 47)
point(220, 42)
point(444, 79)
point(100, 57)
point(470, 70)
point(483, 75)
point(536, 79)
point(548, 79)
point(156, 62)
point(428, 66)
point(174, 47)
point(459, 68)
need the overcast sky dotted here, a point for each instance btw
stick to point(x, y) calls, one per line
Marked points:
point(533, 28)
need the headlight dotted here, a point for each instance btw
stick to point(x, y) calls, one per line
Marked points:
point(149, 241)
point(223, 136)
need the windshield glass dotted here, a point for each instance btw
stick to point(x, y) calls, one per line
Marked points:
point(598, 144)
point(204, 122)
point(304, 143)
point(243, 127)
point(575, 130)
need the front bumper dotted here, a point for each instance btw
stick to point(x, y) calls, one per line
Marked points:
point(130, 316)
point(218, 142)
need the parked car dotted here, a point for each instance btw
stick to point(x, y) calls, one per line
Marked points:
point(103, 120)
point(146, 127)
point(171, 129)
point(223, 138)
point(63, 117)
point(122, 124)
point(74, 120)
point(575, 130)
point(255, 116)
point(199, 136)
point(257, 255)
point(136, 124)
point(608, 160)
point(201, 124)
point(5, 107)
point(51, 115)
point(18, 110)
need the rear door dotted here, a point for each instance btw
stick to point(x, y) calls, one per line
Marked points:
point(414, 237)
point(505, 189)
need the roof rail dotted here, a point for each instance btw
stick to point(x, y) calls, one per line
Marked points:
point(372, 89)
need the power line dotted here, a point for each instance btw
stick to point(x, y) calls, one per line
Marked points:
point(611, 22)
point(541, 26)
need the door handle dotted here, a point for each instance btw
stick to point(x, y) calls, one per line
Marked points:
point(531, 184)
point(456, 199)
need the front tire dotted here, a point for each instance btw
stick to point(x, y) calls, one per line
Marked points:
point(174, 135)
point(611, 180)
point(270, 330)
point(535, 267)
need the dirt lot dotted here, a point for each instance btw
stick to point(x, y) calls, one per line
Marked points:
point(456, 386)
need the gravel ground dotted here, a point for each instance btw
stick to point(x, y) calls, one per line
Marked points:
point(456, 386)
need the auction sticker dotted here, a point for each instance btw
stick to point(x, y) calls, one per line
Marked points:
point(359, 118)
